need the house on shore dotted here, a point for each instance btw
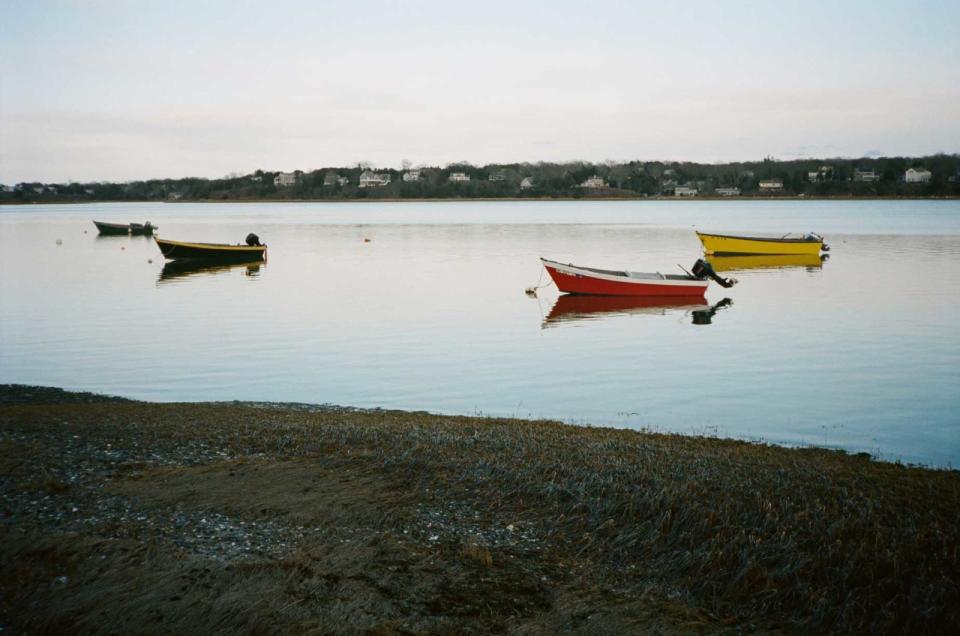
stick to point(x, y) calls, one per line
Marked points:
point(458, 177)
point(685, 191)
point(913, 175)
point(594, 183)
point(865, 176)
point(285, 179)
point(527, 183)
point(823, 173)
point(728, 192)
point(411, 176)
point(332, 179)
point(771, 185)
point(370, 179)
point(498, 175)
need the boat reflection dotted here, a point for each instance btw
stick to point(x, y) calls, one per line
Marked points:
point(571, 308)
point(766, 261)
point(705, 316)
point(174, 270)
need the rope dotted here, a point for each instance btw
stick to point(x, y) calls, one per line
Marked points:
point(532, 291)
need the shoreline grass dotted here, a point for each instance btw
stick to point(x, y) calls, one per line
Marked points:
point(398, 522)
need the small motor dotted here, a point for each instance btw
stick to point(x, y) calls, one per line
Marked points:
point(703, 270)
point(253, 240)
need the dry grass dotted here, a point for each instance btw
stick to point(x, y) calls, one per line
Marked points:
point(411, 522)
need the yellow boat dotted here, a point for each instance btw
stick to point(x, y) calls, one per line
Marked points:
point(729, 244)
point(764, 261)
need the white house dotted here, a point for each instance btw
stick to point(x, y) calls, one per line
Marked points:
point(285, 179)
point(684, 191)
point(594, 182)
point(411, 175)
point(865, 175)
point(771, 185)
point(370, 179)
point(917, 176)
point(728, 192)
point(461, 177)
point(526, 184)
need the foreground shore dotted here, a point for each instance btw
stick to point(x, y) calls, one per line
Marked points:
point(120, 516)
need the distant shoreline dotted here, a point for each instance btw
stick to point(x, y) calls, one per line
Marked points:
point(496, 199)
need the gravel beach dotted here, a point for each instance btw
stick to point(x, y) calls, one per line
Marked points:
point(119, 516)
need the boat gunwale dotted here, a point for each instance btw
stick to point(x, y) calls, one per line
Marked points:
point(623, 277)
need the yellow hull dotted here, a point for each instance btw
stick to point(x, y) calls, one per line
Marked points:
point(763, 261)
point(725, 244)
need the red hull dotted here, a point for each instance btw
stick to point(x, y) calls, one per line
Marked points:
point(583, 284)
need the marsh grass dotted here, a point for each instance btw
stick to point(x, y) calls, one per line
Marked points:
point(727, 533)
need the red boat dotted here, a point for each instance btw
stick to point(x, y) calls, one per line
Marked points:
point(604, 282)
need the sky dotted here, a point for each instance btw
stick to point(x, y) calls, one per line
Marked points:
point(100, 90)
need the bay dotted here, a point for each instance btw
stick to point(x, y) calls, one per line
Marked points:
point(421, 306)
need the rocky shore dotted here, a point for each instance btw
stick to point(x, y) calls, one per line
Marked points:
point(129, 517)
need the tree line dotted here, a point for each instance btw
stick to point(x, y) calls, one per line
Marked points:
point(634, 179)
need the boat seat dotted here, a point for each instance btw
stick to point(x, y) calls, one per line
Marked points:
point(644, 275)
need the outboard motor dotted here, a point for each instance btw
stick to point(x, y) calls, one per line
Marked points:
point(253, 239)
point(703, 270)
point(813, 237)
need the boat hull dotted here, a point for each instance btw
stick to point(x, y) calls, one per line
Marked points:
point(581, 280)
point(726, 244)
point(223, 253)
point(112, 229)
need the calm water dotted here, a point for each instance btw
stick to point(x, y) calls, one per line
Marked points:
point(861, 353)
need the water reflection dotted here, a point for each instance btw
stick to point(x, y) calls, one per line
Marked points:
point(576, 308)
point(766, 261)
point(107, 238)
point(705, 316)
point(175, 270)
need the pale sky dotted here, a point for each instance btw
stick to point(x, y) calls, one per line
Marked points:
point(116, 91)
